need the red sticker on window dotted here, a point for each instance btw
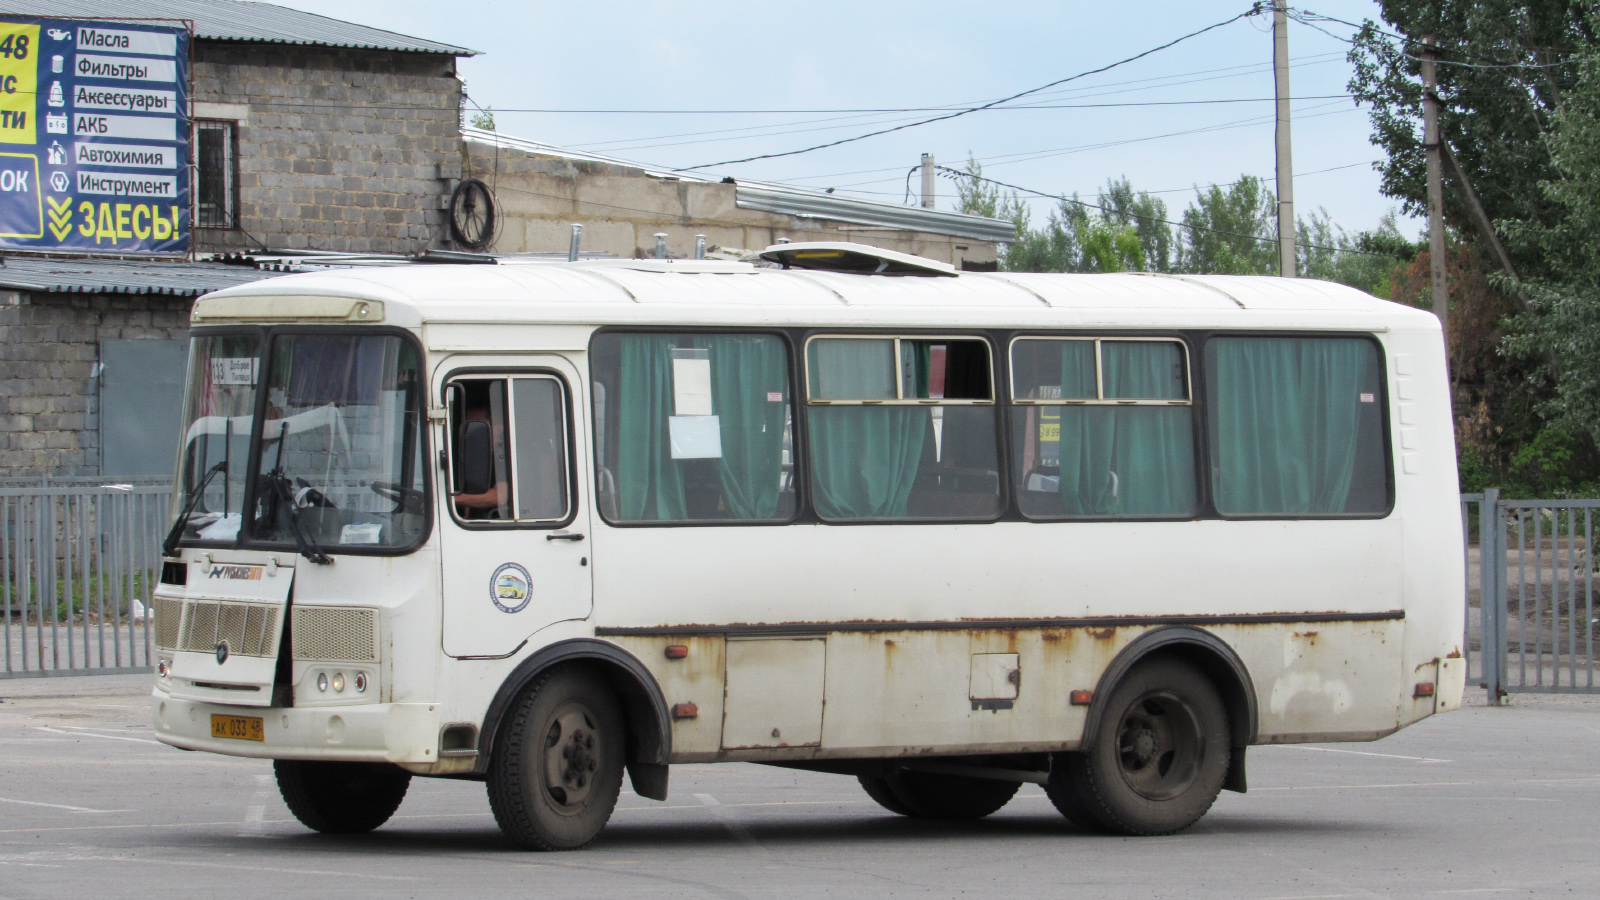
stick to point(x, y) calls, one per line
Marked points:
point(774, 396)
point(1369, 398)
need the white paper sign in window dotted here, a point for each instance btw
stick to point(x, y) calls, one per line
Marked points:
point(233, 370)
point(695, 437)
point(691, 382)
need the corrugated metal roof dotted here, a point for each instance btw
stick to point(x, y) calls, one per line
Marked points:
point(235, 20)
point(119, 276)
point(787, 199)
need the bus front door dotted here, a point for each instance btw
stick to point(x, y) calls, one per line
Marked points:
point(516, 554)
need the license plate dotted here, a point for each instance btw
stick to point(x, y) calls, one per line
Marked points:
point(242, 728)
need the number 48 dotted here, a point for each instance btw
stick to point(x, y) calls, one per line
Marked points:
point(15, 46)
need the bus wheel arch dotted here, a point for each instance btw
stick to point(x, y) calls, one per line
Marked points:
point(1212, 656)
point(644, 708)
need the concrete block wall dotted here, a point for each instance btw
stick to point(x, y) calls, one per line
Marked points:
point(339, 149)
point(622, 208)
point(49, 344)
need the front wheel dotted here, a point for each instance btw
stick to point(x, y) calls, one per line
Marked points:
point(341, 797)
point(1158, 760)
point(557, 767)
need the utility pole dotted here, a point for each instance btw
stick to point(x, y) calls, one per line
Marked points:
point(1432, 143)
point(927, 181)
point(1280, 78)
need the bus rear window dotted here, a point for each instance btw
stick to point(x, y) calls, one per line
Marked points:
point(1296, 426)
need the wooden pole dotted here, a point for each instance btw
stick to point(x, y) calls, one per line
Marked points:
point(1431, 143)
point(1280, 78)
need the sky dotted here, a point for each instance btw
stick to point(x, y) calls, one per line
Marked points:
point(815, 63)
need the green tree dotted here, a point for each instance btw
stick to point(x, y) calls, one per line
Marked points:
point(1365, 260)
point(1505, 67)
point(1561, 329)
point(1230, 231)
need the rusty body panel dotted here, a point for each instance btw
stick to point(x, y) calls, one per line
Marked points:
point(908, 692)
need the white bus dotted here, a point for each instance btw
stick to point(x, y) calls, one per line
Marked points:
point(847, 511)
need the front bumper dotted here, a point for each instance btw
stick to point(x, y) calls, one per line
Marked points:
point(377, 732)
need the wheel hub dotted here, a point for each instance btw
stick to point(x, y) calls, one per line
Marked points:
point(572, 756)
point(1142, 747)
point(1159, 745)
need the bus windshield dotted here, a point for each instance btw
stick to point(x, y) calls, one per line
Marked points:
point(338, 460)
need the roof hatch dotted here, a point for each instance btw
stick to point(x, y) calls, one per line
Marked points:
point(843, 256)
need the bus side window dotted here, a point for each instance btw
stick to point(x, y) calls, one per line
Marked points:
point(692, 427)
point(902, 428)
point(509, 450)
point(1102, 428)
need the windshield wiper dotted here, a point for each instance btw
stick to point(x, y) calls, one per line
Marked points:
point(284, 489)
point(170, 545)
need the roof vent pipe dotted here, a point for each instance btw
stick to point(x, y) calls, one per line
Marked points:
point(699, 246)
point(783, 240)
point(577, 237)
point(661, 245)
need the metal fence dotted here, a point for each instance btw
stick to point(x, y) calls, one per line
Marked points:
point(1531, 611)
point(77, 565)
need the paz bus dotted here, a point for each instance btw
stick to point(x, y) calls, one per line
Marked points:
point(544, 525)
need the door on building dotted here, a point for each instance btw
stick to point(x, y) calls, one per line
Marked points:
point(141, 406)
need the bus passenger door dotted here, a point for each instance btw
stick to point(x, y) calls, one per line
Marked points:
point(516, 524)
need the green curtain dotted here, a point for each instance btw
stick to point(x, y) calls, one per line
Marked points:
point(1285, 415)
point(745, 369)
point(863, 458)
point(649, 480)
point(1126, 460)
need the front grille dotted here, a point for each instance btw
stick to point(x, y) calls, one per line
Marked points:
point(169, 614)
point(334, 633)
point(249, 629)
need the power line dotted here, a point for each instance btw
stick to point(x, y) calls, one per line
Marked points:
point(974, 109)
point(634, 145)
point(1306, 17)
point(1143, 84)
point(957, 174)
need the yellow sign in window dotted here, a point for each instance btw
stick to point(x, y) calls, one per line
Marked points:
point(1049, 431)
point(19, 83)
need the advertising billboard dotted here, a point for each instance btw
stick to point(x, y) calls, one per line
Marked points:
point(94, 136)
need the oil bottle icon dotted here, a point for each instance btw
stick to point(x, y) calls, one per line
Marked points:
point(56, 96)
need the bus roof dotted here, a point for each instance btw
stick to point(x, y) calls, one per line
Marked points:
point(694, 292)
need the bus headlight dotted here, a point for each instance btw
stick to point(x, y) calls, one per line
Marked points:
point(338, 682)
point(322, 681)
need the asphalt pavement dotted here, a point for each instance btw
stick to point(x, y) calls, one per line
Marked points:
point(1481, 802)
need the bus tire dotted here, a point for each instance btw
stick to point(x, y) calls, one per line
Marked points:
point(341, 797)
point(877, 787)
point(1062, 789)
point(1159, 757)
point(557, 766)
point(955, 798)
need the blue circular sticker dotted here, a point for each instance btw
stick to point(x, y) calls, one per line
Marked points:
point(510, 588)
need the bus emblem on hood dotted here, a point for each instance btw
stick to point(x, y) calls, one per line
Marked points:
point(222, 653)
point(510, 588)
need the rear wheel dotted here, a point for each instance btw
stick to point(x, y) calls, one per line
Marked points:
point(341, 797)
point(557, 765)
point(929, 795)
point(1159, 758)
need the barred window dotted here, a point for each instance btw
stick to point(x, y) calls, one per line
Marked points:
point(216, 177)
